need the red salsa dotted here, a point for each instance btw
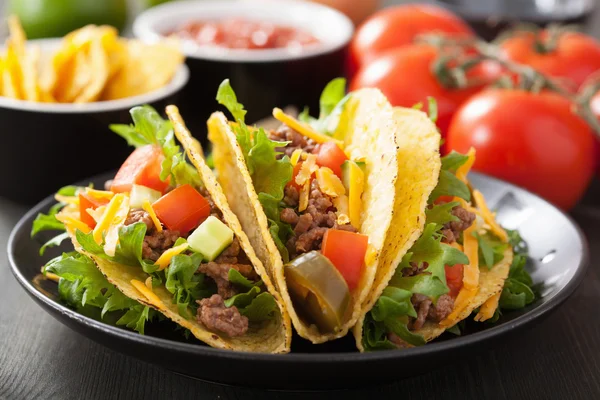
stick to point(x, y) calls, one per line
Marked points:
point(237, 33)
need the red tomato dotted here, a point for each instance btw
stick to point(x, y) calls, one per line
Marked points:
point(595, 106)
point(532, 140)
point(405, 77)
point(395, 27)
point(86, 201)
point(182, 209)
point(454, 278)
point(331, 156)
point(346, 250)
point(575, 57)
point(142, 167)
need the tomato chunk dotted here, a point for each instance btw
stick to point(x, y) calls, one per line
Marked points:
point(182, 209)
point(86, 201)
point(346, 250)
point(142, 167)
point(454, 278)
point(331, 156)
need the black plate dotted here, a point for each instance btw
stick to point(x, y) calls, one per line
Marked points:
point(558, 260)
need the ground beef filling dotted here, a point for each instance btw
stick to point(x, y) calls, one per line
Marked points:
point(309, 226)
point(155, 242)
point(426, 310)
point(286, 134)
point(452, 230)
point(213, 313)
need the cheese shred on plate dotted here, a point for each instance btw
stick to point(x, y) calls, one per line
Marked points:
point(165, 259)
point(487, 310)
point(303, 129)
point(148, 208)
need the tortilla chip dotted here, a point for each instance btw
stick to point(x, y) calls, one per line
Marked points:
point(97, 62)
point(147, 67)
point(369, 134)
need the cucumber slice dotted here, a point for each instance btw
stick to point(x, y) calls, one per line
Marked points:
point(140, 193)
point(211, 238)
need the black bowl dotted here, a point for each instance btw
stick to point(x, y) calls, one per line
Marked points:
point(262, 79)
point(558, 260)
point(47, 145)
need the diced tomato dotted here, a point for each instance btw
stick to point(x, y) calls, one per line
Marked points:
point(346, 250)
point(182, 209)
point(444, 199)
point(142, 167)
point(454, 278)
point(86, 201)
point(331, 156)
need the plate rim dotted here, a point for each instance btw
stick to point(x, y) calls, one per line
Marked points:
point(355, 357)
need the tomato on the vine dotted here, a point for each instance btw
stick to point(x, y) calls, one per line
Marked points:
point(567, 55)
point(395, 27)
point(406, 77)
point(534, 140)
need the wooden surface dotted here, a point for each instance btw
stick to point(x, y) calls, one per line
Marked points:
point(557, 359)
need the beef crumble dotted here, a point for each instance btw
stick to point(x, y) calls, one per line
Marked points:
point(213, 313)
point(452, 230)
point(310, 226)
point(426, 310)
point(219, 272)
point(286, 134)
point(155, 242)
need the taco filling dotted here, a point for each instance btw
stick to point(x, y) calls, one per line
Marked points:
point(310, 184)
point(447, 273)
point(157, 216)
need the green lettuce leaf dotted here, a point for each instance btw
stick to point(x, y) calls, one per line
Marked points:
point(254, 304)
point(47, 222)
point(55, 241)
point(432, 109)
point(491, 250)
point(441, 214)
point(227, 97)
point(450, 185)
point(453, 161)
point(517, 292)
point(234, 276)
point(84, 287)
point(333, 93)
point(185, 285)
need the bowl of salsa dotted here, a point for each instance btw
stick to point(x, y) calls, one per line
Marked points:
point(276, 52)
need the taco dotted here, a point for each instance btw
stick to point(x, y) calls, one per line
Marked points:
point(444, 257)
point(315, 197)
point(162, 233)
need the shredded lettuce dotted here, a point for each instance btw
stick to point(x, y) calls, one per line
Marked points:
point(185, 284)
point(255, 304)
point(392, 310)
point(491, 249)
point(83, 286)
point(517, 292)
point(269, 175)
point(332, 102)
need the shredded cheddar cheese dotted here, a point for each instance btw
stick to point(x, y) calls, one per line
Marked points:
point(165, 259)
point(111, 211)
point(295, 156)
point(66, 199)
point(487, 310)
point(470, 277)
point(355, 191)
point(341, 205)
point(148, 294)
point(148, 282)
point(309, 167)
point(99, 194)
point(463, 170)
point(488, 217)
point(304, 192)
point(73, 223)
point(148, 208)
point(329, 182)
point(304, 129)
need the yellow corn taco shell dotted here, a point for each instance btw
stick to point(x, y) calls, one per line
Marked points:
point(417, 142)
point(369, 133)
point(273, 336)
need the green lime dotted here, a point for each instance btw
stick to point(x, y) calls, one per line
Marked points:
point(55, 18)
